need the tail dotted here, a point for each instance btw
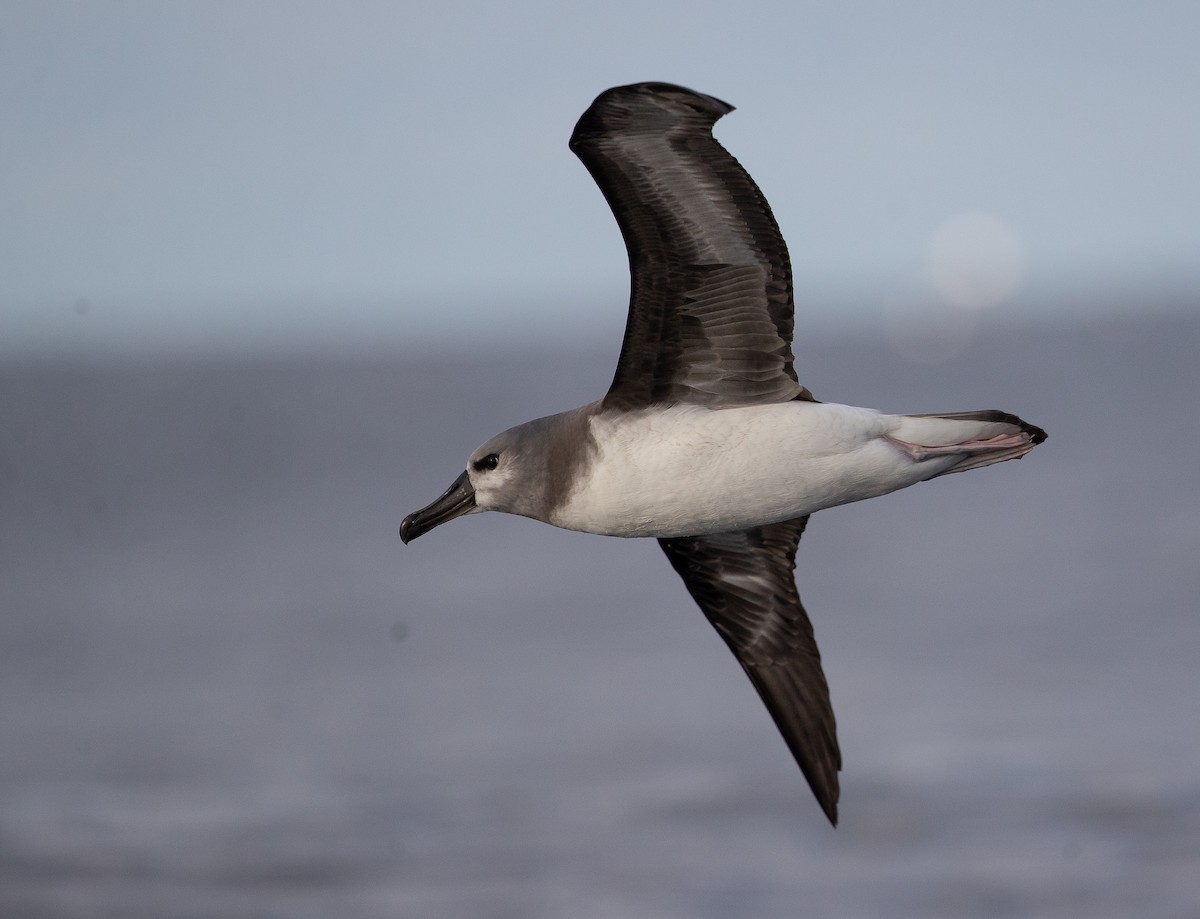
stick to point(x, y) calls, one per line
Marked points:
point(977, 438)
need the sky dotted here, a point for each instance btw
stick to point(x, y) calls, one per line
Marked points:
point(215, 175)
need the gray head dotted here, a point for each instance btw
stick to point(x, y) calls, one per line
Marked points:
point(525, 470)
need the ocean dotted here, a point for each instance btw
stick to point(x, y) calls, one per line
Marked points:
point(228, 691)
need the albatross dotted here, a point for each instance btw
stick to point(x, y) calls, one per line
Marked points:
point(706, 440)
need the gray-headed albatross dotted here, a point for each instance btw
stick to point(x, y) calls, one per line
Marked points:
point(706, 440)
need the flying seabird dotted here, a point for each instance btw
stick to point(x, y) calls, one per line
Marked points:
point(706, 440)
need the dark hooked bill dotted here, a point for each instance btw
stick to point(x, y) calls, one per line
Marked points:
point(457, 500)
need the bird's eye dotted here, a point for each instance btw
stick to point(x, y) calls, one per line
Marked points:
point(491, 461)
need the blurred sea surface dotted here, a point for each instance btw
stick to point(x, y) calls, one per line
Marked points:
point(227, 690)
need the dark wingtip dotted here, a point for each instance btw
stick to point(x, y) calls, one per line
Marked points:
point(827, 792)
point(830, 809)
point(711, 105)
point(647, 106)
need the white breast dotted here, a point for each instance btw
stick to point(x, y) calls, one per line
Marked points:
point(687, 470)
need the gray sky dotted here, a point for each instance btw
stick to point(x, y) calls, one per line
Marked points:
point(190, 174)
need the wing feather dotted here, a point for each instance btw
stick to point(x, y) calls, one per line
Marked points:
point(710, 311)
point(743, 582)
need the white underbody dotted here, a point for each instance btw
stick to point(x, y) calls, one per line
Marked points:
point(687, 470)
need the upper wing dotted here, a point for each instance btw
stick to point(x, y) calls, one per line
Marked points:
point(743, 582)
point(710, 310)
